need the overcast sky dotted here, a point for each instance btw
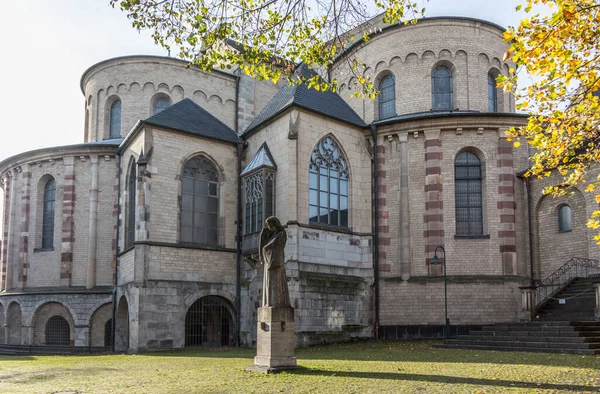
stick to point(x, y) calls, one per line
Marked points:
point(48, 44)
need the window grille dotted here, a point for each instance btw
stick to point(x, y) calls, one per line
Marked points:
point(328, 184)
point(208, 323)
point(564, 219)
point(115, 119)
point(467, 185)
point(259, 200)
point(131, 204)
point(492, 94)
point(387, 97)
point(48, 214)
point(441, 85)
point(58, 331)
point(108, 333)
point(160, 104)
point(199, 202)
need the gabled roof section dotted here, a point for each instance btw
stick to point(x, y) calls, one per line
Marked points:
point(188, 117)
point(325, 103)
point(261, 159)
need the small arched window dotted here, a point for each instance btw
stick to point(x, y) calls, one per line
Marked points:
point(199, 202)
point(328, 184)
point(58, 331)
point(387, 97)
point(441, 88)
point(160, 104)
point(492, 94)
point(115, 119)
point(131, 203)
point(48, 214)
point(468, 197)
point(564, 219)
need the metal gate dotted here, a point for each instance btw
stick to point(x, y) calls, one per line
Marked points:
point(58, 331)
point(108, 333)
point(208, 323)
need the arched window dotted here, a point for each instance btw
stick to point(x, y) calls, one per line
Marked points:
point(328, 184)
point(108, 333)
point(199, 202)
point(564, 219)
point(208, 322)
point(115, 119)
point(467, 189)
point(159, 104)
point(441, 88)
point(58, 331)
point(131, 203)
point(387, 97)
point(48, 214)
point(492, 94)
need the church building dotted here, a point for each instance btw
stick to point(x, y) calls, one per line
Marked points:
point(401, 212)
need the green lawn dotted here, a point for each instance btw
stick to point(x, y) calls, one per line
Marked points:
point(366, 367)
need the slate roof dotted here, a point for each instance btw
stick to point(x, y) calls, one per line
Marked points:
point(325, 103)
point(189, 117)
point(262, 158)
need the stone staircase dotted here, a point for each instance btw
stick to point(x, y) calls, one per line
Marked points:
point(22, 350)
point(564, 323)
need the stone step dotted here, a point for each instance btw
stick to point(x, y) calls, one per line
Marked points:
point(548, 334)
point(508, 338)
point(520, 349)
point(530, 345)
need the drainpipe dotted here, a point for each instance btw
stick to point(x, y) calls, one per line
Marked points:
point(93, 225)
point(238, 266)
point(375, 229)
point(114, 292)
point(530, 228)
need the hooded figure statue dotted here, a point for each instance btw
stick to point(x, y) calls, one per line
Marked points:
point(271, 253)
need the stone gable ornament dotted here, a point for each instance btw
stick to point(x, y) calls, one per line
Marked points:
point(275, 325)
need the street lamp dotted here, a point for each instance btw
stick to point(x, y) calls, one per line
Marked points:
point(436, 260)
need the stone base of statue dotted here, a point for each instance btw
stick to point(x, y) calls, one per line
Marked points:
point(274, 340)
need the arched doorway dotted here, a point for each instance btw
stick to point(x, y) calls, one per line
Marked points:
point(108, 333)
point(122, 326)
point(13, 321)
point(57, 331)
point(55, 319)
point(98, 324)
point(209, 322)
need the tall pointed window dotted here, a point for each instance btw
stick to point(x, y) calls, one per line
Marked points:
point(199, 202)
point(328, 184)
point(467, 189)
point(259, 189)
point(492, 94)
point(160, 104)
point(48, 214)
point(115, 119)
point(441, 88)
point(131, 203)
point(387, 97)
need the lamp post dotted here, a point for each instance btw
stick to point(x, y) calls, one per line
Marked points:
point(436, 260)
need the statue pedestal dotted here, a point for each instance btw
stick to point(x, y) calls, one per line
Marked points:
point(275, 340)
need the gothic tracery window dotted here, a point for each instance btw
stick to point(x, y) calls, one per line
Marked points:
point(328, 184)
point(131, 203)
point(199, 202)
point(467, 187)
point(259, 200)
point(160, 104)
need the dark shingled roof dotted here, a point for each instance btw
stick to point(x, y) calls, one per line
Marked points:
point(189, 117)
point(325, 103)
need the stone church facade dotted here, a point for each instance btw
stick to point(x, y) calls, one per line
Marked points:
point(146, 233)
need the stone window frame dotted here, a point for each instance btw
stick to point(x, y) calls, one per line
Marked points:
point(439, 66)
point(159, 97)
point(110, 116)
point(131, 204)
point(315, 192)
point(564, 220)
point(41, 242)
point(218, 183)
point(482, 179)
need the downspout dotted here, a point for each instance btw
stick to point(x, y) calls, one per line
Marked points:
point(530, 228)
point(114, 295)
point(238, 266)
point(375, 221)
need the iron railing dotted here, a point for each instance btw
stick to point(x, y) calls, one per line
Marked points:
point(577, 267)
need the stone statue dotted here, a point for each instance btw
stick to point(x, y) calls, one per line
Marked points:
point(271, 253)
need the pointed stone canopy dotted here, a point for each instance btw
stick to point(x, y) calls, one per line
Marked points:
point(189, 117)
point(326, 103)
point(261, 159)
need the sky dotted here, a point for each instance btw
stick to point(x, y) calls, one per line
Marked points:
point(48, 44)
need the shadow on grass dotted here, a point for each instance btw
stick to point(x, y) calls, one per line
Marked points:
point(447, 380)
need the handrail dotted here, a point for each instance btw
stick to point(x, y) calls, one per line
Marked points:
point(577, 267)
